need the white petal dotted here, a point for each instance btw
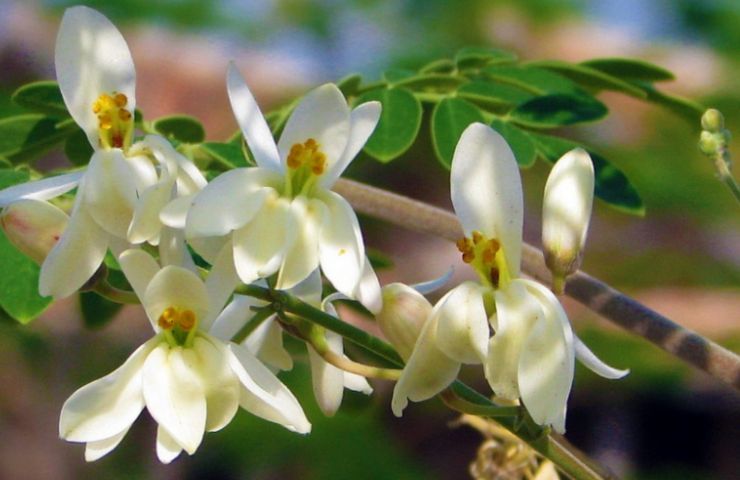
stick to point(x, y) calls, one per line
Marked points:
point(33, 226)
point(323, 115)
point(251, 121)
point(167, 448)
point(302, 259)
point(368, 291)
point(547, 362)
point(91, 58)
point(142, 168)
point(517, 311)
point(177, 287)
point(327, 380)
point(175, 395)
point(41, 189)
point(220, 383)
point(209, 247)
point(261, 245)
point(462, 329)
point(145, 224)
point(74, 258)
point(175, 213)
point(341, 250)
point(110, 192)
point(236, 314)
point(173, 250)
point(139, 268)
point(427, 372)
point(100, 448)
point(108, 406)
point(230, 201)
point(266, 343)
point(431, 286)
point(357, 383)
point(593, 363)
point(220, 284)
point(310, 289)
point(363, 120)
point(487, 190)
point(264, 395)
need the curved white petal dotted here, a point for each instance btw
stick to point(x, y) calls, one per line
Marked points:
point(261, 245)
point(190, 179)
point(167, 448)
point(177, 287)
point(250, 119)
point(232, 318)
point(220, 284)
point(173, 250)
point(41, 189)
point(517, 311)
point(143, 170)
point(174, 394)
point(431, 286)
point(175, 213)
point(139, 268)
point(357, 383)
point(307, 216)
point(310, 289)
point(229, 202)
point(547, 362)
point(487, 190)
point(266, 343)
point(594, 363)
point(219, 382)
point(210, 247)
point(110, 191)
point(91, 58)
point(323, 115)
point(462, 328)
point(98, 449)
point(327, 380)
point(404, 314)
point(341, 250)
point(362, 121)
point(106, 407)
point(368, 291)
point(264, 395)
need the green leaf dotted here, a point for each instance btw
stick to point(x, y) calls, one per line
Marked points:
point(96, 310)
point(684, 107)
point(182, 128)
point(431, 82)
point(397, 74)
point(399, 123)
point(520, 141)
point(493, 96)
point(42, 97)
point(443, 65)
point(349, 84)
point(535, 80)
point(612, 186)
point(478, 57)
point(557, 110)
point(24, 137)
point(591, 77)
point(630, 69)
point(229, 155)
point(378, 259)
point(77, 148)
point(450, 118)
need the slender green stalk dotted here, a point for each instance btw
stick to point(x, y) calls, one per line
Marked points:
point(259, 317)
point(117, 295)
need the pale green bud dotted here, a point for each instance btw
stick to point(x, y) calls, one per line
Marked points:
point(33, 227)
point(403, 315)
point(712, 120)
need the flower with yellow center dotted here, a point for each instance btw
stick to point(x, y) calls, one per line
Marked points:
point(282, 216)
point(189, 380)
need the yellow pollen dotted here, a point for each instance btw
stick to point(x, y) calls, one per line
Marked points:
point(485, 256)
point(121, 100)
point(186, 320)
point(167, 319)
point(307, 154)
point(115, 121)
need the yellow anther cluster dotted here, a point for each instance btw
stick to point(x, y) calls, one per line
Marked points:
point(481, 252)
point(173, 317)
point(116, 122)
point(307, 154)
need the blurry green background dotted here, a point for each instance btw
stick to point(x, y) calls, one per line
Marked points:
point(663, 421)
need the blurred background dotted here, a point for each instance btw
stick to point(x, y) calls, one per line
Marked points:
point(664, 421)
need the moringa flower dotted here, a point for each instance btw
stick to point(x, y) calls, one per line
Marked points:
point(189, 380)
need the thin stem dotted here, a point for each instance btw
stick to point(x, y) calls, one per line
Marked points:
point(351, 366)
point(613, 305)
point(721, 163)
point(463, 406)
point(117, 295)
point(259, 317)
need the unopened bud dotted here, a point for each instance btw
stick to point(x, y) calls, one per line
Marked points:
point(712, 120)
point(566, 212)
point(402, 317)
point(33, 227)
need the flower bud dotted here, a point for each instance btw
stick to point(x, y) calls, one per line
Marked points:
point(33, 226)
point(712, 120)
point(402, 317)
point(566, 212)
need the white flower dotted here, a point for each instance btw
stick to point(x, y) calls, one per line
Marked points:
point(33, 226)
point(189, 380)
point(281, 215)
point(531, 355)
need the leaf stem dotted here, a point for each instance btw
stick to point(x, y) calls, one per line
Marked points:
point(114, 294)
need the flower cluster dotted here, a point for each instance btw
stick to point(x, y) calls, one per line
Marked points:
point(279, 224)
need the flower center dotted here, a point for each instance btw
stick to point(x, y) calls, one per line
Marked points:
point(114, 120)
point(306, 162)
point(178, 324)
point(486, 257)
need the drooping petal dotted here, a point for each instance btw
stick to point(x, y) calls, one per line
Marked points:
point(462, 329)
point(33, 227)
point(106, 407)
point(174, 286)
point(229, 202)
point(594, 363)
point(264, 395)
point(517, 311)
point(220, 384)
point(357, 383)
point(143, 170)
point(139, 268)
point(41, 189)
point(173, 250)
point(100, 448)
point(110, 192)
point(175, 395)
point(190, 179)
point(250, 119)
point(167, 448)
point(175, 213)
point(266, 343)
point(220, 284)
point(341, 250)
point(368, 291)
point(404, 314)
point(261, 245)
point(91, 58)
point(362, 122)
point(327, 380)
point(322, 115)
point(547, 362)
point(431, 286)
point(307, 216)
point(487, 190)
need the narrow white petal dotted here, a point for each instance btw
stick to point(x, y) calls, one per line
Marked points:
point(220, 383)
point(143, 170)
point(266, 343)
point(264, 395)
point(594, 363)
point(177, 287)
point(229, 202)
point(139, 268)
point(175, 395)
point(175, 213)
point(302, 259)
point(327, 380)
point(173, 249)
point(368, 291)
point(190, 179)
point(41, 189)
point(323, 115)
point(145, 224)
point(341, 250)
point(462, 329)
point(250, 119)
point(431, 286)
point(362, 122)
point(91, 58)
point(110, 191)
point(100, 448)
point(236, 314)
point(487, 190)
point(309, 290)
point(167, 448)
point(220, 284)
point(108, 406)
point(357, 383)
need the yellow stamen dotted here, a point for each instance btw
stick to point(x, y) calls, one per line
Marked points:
point(186, 320)
point(167, 319)
point(115, 121)
point(485, 256)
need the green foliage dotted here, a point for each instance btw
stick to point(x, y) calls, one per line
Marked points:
point(97, 311)
point(77, 148)
point(494, 97)
point(630, 69)
point(549, 111)
point(25, 137)
point(228, 155)
point(42, 97)
point(399, 123)
point(450, 118)
point(479, 57)
point(183, 128)
point(520, 141)
point(591, 77)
